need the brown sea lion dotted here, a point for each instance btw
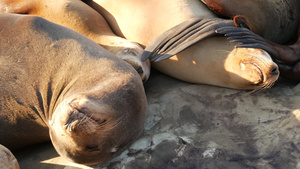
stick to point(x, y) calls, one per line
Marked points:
point(7, 159)
point(212, 61)
point(274, 20)
point(78, 16)
point(55, 80)
point(286, 56)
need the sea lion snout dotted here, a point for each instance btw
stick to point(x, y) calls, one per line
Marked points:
point(255, 66)
point(268, 68)
point(84, 131)
point(81, 120)
point(93, 127)
point(274, 71)
point(260, 73)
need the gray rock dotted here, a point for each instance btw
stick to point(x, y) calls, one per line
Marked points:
point(7, 159)
point(200, 126)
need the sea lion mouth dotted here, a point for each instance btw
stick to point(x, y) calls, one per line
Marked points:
point(265, 81)
point(80, 121)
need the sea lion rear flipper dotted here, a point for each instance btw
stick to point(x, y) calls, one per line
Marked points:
point(183, 36)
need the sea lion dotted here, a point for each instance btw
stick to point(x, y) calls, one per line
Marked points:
point(78, 16)
point(276, 21)
point(7, 159)
point(286, 56)
point(212, 61)
point(56, 81)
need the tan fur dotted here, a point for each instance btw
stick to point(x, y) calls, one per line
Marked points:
point(78, 16)
point(201, 63)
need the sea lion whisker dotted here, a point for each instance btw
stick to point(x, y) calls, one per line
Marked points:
point(271, 84)
point(225, 51)
point(266, 85)
point(100, 126)
point(118, 121)
point(106, 121)
point(249, 54)
point(85, 118)
point(256, 90)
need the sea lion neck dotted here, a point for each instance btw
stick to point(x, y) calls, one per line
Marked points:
point(42, 65)
point(48, 94)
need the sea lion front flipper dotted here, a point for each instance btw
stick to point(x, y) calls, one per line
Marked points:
point(183, 36)
point(290, 71)
point(286, 57)
point(248, 39)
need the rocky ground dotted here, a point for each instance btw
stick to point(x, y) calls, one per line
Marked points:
point(192, 126)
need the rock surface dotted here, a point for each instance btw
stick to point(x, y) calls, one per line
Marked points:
point(200, 126)
point(7, 159)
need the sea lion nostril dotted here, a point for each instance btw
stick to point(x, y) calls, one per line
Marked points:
point(140, 70)
point(275, 71)
point(92, 148)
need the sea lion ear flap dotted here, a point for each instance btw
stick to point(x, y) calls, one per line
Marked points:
point(240, 21)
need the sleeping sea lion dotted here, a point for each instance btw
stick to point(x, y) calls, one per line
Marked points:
point(78, 16)
point(278, 22)
point(274, 20)
point(286, 56)
point(213, 60)
point(55, 80)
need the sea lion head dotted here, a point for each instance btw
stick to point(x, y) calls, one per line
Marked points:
point(251, 67)
point(93, 127)
point(131, 52)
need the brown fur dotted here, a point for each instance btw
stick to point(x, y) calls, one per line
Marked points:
point(78, 16)
point(276, 21)
point(52, 78)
